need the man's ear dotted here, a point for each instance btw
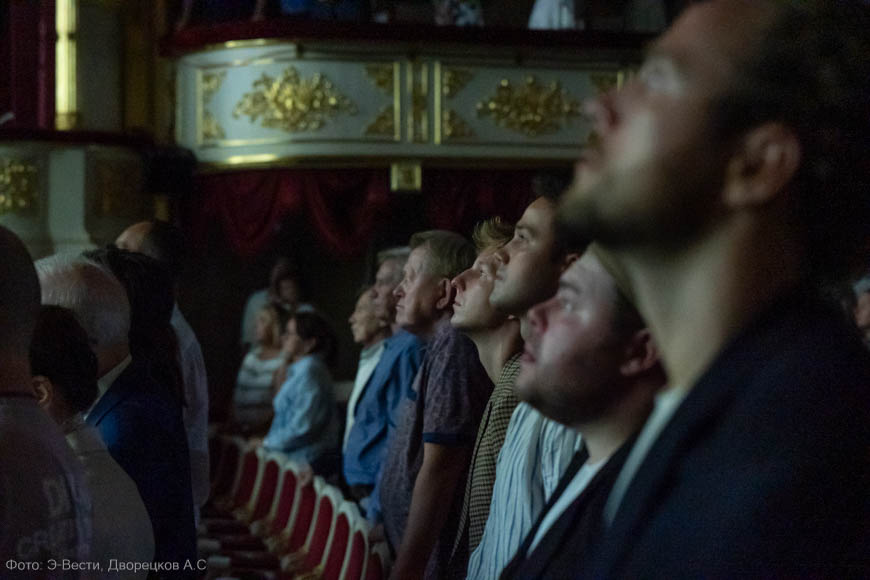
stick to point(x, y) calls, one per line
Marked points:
point(44, 391)
point(568, 260)
point(640, 355)
point(766, 160)
point(446, 293)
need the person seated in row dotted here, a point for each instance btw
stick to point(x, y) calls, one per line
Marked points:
point(65, 381)
point(252, 399)
point(306, 426)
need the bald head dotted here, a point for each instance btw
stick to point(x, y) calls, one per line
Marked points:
point(19, 295)
point(133, 238)
point(157, 239)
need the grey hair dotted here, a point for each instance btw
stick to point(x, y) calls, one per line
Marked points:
point(398, 253)
point(97, 298)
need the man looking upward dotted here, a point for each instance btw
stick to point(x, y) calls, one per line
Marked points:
point(730, 178)
point(497, 338)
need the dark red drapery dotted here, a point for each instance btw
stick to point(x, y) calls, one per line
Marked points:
point(345, 208)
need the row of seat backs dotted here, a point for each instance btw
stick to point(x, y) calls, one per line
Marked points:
point(311, 521)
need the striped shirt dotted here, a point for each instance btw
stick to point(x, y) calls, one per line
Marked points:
point(535, 453)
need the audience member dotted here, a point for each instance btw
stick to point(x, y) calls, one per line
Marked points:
point(44, 499)
point(729, 179)
point(65, 382)
point(165, 243)
point(589, 363)
point(369, 329)
point(861, 309)
point(376, 413)
point(536, 449)
point(284, 290)
point(497, 338)
point(391, 263)
point(421, 482)
point(138, 417)
point(252, 398)
point(305, 425)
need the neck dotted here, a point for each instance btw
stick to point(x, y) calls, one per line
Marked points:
point(694, 301)
point(608, 431)
point(379, 336)
point(15, 375)
point(111, 356)
point(426, 334)
point(496, 345)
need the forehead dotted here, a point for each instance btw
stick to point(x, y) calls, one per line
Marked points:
point(364, 300)
point(387, 268)
point(589, 277)
point(538, 216)
point(710, 39)
point(419, 258)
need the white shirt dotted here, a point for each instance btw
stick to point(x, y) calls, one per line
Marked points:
point(368, 360)
point(105, 381)
point(121, 526)
point(666, 404)
point(572, 491)
point(196, 407)
point(534, 456)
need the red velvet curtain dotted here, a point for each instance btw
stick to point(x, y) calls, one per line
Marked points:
point(343, 207)
point(457, 199)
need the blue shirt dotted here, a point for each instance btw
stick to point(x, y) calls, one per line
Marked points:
point(306, 423)
point(376, 411)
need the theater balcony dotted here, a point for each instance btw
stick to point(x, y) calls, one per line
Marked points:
point(291, 92)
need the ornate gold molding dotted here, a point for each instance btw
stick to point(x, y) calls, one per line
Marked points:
point(384, 124)
point(455, 126)
point(18, 186)
point(292, 103)
point(531, 109)
point(383, 76)
point(211, 129)
point(418, 91)
point(454, 80)
point(211, 83)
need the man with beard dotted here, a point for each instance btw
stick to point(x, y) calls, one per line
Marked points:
point(728, 179)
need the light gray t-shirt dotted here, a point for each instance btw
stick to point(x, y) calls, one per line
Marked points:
point(45, 506)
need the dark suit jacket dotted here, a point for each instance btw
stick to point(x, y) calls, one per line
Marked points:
point(143, 429)
point(763, 470)
point(577, 529)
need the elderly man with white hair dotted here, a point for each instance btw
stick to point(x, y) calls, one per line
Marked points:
point(139, 421)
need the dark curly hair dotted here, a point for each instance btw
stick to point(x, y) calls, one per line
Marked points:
point(60, 351)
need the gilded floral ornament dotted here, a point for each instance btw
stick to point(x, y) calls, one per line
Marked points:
point(455, 126)
point(18, 184)
point(531, 109)
point(455, 80)
point(292, 103)
point(384, 125)
point(211, 128)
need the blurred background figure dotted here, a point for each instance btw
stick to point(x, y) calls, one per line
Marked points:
point(65, 381)
point(252, 398)
point(369, 328)
point(165, 243)
point(285, 289)
point(862, 307)
point(306, 425)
